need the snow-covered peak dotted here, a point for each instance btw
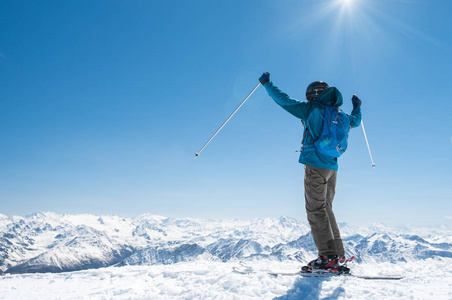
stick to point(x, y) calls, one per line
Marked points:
point(154, 218)
point(47, 241)
point(4, 221)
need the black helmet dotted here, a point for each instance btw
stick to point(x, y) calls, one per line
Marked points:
point(315, 89)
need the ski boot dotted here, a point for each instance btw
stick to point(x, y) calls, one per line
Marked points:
point(329, 263)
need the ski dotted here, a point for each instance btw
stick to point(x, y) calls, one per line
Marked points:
point(371, 277)
point(305, 272)
point(309, 274)
point(334, 274)
point(339, 271)
point(245, 265)
point(243, 271)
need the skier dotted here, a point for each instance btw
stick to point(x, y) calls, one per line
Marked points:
point(320, 169)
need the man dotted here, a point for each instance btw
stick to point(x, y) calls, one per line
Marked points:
point(320, 169)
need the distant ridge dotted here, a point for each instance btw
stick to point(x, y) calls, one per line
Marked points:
point(50, 242)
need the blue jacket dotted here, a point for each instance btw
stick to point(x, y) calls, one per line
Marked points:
point(313, 113)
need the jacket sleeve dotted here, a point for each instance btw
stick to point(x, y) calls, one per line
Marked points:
point(355, 116)
point(299, 109)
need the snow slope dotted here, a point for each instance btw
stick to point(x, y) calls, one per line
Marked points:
point(204, 279)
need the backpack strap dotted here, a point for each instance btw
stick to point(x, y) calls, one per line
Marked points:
point(306, 130)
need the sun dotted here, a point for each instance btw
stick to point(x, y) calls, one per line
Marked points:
point(347, 3)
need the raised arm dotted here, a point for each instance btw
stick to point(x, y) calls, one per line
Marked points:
point(299, 109)
point(355, 116)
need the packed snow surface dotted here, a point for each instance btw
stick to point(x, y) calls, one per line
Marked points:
point(216, 280)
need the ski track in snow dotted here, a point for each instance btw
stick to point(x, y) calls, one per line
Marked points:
point(202, 279)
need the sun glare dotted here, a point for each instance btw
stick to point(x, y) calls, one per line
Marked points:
point(356, 29)
point(346, 2)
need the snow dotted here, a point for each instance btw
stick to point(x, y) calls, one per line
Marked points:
point(203, 279)
point(156, 257)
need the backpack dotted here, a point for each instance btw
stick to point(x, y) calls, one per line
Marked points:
point(333, 139)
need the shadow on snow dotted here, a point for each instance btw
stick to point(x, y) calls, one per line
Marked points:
point(310, 288)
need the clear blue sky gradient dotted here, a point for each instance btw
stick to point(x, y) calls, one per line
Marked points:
point(104, 103)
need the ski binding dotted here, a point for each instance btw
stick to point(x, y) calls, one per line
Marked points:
point(306, 272)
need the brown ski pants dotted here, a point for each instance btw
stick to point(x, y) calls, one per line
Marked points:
point(319, 190)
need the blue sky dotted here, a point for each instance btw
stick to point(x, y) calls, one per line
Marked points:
point(104, 103)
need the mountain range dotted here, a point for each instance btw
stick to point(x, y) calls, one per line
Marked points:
point(50, 242)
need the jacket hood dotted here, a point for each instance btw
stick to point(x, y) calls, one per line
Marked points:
point(330, 97)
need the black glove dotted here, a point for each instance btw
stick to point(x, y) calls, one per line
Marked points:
point(264, 78)
point(356, 100)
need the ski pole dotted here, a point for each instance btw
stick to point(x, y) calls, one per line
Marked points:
point(367, 142)
point(227, 120)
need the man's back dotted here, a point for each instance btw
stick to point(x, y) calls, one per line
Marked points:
point(312, 114)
